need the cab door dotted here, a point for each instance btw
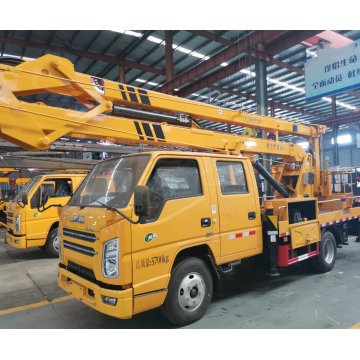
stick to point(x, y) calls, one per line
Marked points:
point(239, 209)
point(38, 223)
point(180, 216)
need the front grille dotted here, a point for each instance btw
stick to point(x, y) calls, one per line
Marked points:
point(97, 282)
point(75, 268)
point(80, 235)
point(10, 215)
point(10, 221)
point(80, 248)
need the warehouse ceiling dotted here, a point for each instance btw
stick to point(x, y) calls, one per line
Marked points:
point(230, 84)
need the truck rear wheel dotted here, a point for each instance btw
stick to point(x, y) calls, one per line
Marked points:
point(51, 245)
point(325, 261)
point(189, 293)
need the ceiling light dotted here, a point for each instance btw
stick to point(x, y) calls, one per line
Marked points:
point(133, 33)
point(155, 39)
point(182, 49)
point(196, 54)
point(224, 64)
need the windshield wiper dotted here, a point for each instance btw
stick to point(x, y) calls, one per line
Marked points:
point(111, 208)
point(18, 202)
point(79, 203)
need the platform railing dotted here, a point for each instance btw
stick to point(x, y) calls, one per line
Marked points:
point(339, 201)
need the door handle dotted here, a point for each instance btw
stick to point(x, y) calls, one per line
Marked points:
point(252, 215)
point(205, 222)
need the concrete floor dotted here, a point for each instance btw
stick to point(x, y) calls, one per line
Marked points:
point(296, 299)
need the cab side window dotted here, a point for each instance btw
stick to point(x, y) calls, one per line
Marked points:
point(172, 179)
point(63, 188)
point(35, 200)
point(232, 177)
point(55, 188)
point(48, 188)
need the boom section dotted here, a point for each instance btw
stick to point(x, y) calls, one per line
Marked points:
point(56, 75)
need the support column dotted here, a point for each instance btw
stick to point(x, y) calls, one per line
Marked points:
point(272, 109)
point(335, 131)
point(262, 105)
point(336, 145)
point(169, 57)
point(333, 106)
point(261, 87)
point(121, 73)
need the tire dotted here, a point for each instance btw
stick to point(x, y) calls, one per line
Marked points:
point(42, 247)
point(189, 293)
point(51, 242)
point(325, 261)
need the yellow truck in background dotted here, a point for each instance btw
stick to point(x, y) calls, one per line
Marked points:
point(32, 225)
point(7, 196)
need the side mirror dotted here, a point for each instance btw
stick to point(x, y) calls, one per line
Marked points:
point(24, 198)
point(44, 200)
point(141, 200)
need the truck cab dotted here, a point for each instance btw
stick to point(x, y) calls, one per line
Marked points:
point(121, 265)
point(33, 225)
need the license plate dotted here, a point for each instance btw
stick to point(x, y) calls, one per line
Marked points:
point(76, 290)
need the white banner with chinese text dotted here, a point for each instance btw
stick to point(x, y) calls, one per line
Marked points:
point(333, 71)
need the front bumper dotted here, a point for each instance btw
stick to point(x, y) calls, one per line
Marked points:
point(18, 242)
point(79, 288)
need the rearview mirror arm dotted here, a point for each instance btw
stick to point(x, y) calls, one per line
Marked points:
point(128, 219)
point(45, 208)
point(20, 204)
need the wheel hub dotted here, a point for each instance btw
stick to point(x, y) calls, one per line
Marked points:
point(194, 291)
point(56, 243)
point(329, 251)
point(191, 291)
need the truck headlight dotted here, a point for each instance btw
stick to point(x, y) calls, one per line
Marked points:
point(17, 223)
point(110, 260)
point(59, 243)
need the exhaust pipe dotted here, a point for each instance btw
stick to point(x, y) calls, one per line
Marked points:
point(278, 187)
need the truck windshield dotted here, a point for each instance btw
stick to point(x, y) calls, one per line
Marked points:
point(27, 188)
point(111, 182)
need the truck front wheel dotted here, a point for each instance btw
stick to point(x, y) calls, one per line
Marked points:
point(325, 261)
point(189, 292)
point(51, 245)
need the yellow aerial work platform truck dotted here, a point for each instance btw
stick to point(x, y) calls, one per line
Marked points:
point(158, 229)
point(28, 223)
